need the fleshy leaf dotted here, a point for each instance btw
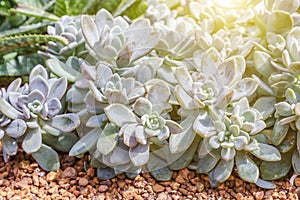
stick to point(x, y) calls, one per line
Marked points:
point(142, 106)
point(9, 111)
point(206, 164)
point(265, 106)
point(247, 169)
point(204, 125)
point(181, 141)
point(139, 155)
point(119, 114)
point(184, 79)
point(108, 139)
point(186, 158)
point(39, 84)
point(296, 161)
point(184, 99)
point(284, 109)
point(267, 152)
point(279, 132)
point(221, 172)
point(278, 169)
point(86, 143)
point(33, 140)
point(89, 30)
point(279, 22)
point(244, 88)
point(262, 63)
point(63, 142)
point(120, 155)
point(265, 184)
point(62, 70)
point(47, 158)
point(65, 123)
point(58, 88)
point(9, 145)
point(105, 173)
point(16, 128)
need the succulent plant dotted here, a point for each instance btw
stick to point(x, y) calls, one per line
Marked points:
point(35, 110)
point(197, 84)
point(131, 125)
point(214, 85)
point(69, 28)
point(115, 41)
point(232, 138)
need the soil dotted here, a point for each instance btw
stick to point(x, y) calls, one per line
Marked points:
point(22, 178)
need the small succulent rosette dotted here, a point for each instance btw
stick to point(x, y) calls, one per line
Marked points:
point(216, 85)
point(115, 41)
point(37, 118)
point(9, 120)
point(69, 28)
point(124, 144)
point(96, 89)
point(230, 138)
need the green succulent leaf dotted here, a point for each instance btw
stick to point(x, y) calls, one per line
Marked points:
point(64, 142)
point(221, 172)
point(279, 132)
point(206, 164)
point(246, 167)
point(158, 168)
point(108, 139)
point(204, 125)
point(265, 106)
point(8, 110)
point(267, 152)
point(278, 169)
point(86, 143)
point(288, 143)
point(262, 63)
point(65, 123)
point(62, 70)
point(139, 155)
point(33, 140)
point(119, 114)
point(186, 157)
point(16, 128)
point(181, 142)
point(9, 145)
point(47, 158)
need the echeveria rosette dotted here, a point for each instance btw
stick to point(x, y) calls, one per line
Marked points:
point(114, 89)
point(287, 116)
point(230, 139)
point(69, 28)
point(36, 112)
point(98, 88)
point(11, 128)
point(114, 41)
point(215, 86)
point(145, 122)
point(124, 143)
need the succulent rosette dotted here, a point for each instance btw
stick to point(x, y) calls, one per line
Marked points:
point(35, 111)
point(130, 126)
point(231, 139)
point(69, 28)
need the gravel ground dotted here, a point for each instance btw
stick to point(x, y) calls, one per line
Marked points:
point(22, 178)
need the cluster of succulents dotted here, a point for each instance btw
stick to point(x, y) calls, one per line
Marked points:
point(203, 85)
point(33, 114)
